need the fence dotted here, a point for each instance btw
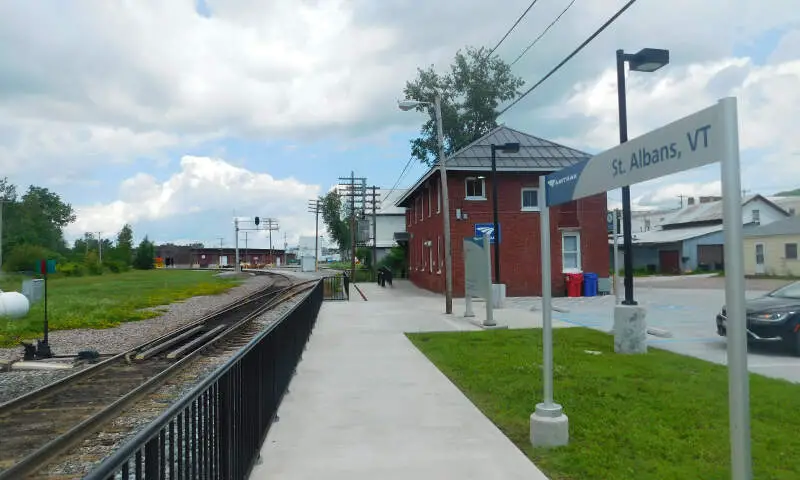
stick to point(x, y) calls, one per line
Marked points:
point(216, 431)
point(336, 287)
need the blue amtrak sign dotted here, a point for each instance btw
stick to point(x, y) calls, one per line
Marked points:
point(690, 142)
point(481, 228)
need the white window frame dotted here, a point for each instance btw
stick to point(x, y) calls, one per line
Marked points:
point(429, 202)
point(483, 189)
point(523, 208)
point(421, 212)
point(577, 235)
point(756, 213)
point(430, 259)
point(439, 255)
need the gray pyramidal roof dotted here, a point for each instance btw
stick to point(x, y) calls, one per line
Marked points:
point(535, 155)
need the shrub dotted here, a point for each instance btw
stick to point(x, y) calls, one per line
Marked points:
point(91, 264)
point(71, 269)
point(116, 266)
point(24, 258)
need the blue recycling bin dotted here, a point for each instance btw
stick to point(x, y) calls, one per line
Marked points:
point(589, 284)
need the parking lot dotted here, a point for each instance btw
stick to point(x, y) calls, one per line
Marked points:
point(686, 307)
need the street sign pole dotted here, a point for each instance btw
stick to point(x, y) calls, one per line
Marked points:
point(738, 377)
point(616, 257)
point(549, 427)
point(487, 247)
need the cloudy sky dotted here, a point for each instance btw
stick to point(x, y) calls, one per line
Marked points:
point(177, 115)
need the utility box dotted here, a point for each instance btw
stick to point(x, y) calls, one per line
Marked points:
point(307, 264)
point(33, 289)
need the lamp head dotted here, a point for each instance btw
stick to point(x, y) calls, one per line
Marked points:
point(648, 60)
point(406, 105)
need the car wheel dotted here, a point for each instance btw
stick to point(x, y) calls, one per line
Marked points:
point(794, 344)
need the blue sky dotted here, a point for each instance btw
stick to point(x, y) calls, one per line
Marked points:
point(203, 108)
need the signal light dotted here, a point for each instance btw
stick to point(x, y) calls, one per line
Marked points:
point(258, 220)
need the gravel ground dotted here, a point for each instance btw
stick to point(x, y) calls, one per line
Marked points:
point(118, 339)
point(78, 462)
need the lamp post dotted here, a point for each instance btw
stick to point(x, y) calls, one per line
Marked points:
point(405, 106)
point(505, 148)
point(646, 60)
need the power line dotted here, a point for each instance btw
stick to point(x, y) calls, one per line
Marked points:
point(569, 57)
point(543, 32)
point(512, 28)
point(399, 179)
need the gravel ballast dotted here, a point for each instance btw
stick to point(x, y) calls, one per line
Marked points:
point(120, 338)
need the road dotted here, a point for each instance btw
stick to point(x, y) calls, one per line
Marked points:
point(686, 307)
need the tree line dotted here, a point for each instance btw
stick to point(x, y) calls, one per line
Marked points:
point(33, 229)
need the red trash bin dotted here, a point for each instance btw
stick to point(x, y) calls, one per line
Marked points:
point(574, 282)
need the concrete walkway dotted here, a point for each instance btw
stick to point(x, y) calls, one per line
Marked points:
point(366, 404)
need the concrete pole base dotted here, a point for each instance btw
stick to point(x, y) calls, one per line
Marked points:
point(483, 325)
point(498, 295)
point(630, 329)
point(549, 426)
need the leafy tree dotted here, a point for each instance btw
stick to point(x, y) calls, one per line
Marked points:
point(145, 255)
point(37, 218)
point(25, 258)
point(470, 94)
point(338, 227)
point(124, 248)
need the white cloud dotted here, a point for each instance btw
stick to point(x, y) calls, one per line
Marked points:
point(211, 187)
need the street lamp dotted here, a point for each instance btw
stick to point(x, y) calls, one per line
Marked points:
point(646, 60)
point(505, 148)
point(405, 106)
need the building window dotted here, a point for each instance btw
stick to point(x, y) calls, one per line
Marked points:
point(756, 216)
point(476, 188)
point(791, 251)
point(571, 251)
point(429, 202)
point(430, 259)
point(530, 200)
point(419, 209)
point(439, 199)
point(439, 254)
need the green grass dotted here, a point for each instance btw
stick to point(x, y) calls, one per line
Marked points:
point(657, 416)
point(106, 301)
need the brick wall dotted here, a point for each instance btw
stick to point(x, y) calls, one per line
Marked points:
point(520, 248)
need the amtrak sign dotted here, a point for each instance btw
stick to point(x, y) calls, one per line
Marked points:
point(687, 143)
point(481, 228)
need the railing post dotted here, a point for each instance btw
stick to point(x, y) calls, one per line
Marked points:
point(224, 427)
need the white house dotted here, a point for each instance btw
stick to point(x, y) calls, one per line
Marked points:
point(390, 220)
point(692, 238)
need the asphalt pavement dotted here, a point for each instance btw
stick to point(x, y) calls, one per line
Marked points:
point(686, 307)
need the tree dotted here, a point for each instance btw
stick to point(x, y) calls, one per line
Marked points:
point(124, 249)
point(338, 228)
point(145, 255)
point(470, 94)
point(37, 218)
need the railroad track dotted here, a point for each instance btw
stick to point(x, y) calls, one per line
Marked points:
point(43, 424)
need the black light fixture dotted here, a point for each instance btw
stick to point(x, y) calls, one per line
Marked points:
point(512, 147)
point(645, 60)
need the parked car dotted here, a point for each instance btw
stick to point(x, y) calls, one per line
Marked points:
point(773, 318)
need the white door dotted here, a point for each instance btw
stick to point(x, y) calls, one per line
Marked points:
point(759, 258)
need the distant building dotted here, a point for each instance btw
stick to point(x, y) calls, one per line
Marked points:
point(390, 220)
point(692, 238)
point(772, 249)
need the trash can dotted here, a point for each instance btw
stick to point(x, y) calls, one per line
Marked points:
point(574, 282)
point(590, 285)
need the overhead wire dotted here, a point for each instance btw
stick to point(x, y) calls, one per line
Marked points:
point(569, 57)
point(512, 28)
point(536, 40)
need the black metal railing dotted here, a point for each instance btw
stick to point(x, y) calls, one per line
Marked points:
point(216, 430)
point(336, 287)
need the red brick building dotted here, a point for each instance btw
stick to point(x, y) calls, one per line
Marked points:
point(578, 229)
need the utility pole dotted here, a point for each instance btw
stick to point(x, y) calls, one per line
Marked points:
point(219, 260)
point(270, 224)
point(373, 203)
point(245, 248)
point(354, 190)
point(100, 246)
point(2, 205)
point(285, 247)
point(314, 207)
point(681, 197)
point(237, 266)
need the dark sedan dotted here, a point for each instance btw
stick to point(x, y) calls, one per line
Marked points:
point(773, 318)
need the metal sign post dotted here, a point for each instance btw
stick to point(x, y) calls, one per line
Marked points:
point(708, 136)
point(616, 256)
point(487, 249)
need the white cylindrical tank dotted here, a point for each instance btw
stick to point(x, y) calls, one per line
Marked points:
point(13, 305)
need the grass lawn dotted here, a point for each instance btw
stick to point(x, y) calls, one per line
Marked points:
point(655, 416)
point(107, 300)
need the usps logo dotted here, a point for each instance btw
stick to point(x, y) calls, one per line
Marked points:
point(482, 228)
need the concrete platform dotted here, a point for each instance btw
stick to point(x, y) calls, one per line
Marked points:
point(366, 404)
